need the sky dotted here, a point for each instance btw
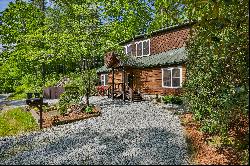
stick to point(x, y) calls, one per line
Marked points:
point(4, 4)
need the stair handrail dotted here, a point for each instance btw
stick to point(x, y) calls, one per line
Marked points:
point(131, 91)
point(109, 91)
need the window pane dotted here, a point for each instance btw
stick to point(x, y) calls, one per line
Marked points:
point(106, 79)
point(139, 49)
point(124, 50)
point(102, 82)
point(167, 77)
point(176, 82)
point(167, 74)
point(167, 83)
point(129, 50)
point(146, 47)
point(176, 72)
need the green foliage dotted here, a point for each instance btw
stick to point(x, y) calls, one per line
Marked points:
point(89, 109)
point(168, 13)
point(83, 80)
point(71, 95)
point(217, 87)
point(16, 121)
point(172, 99)
point(30, 35)
point(17, 96)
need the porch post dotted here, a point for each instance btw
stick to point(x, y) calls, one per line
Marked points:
point(123, 85)
point(113, 81)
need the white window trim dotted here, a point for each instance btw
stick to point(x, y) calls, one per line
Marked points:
point(126, 49)
point(171, 68)
point(136, 43)
point(104, 76)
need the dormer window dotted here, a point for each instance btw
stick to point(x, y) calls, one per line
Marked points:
point(143, 48)
point(128, 49)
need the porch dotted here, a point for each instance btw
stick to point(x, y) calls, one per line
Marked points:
point(121, 85)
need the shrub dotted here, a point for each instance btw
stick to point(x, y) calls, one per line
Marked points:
point(71, 95)
point(89, 109)
point(216, 89)
point(172, 99)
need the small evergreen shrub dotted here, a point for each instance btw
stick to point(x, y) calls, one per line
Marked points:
point(89, 109)
point(171, 99)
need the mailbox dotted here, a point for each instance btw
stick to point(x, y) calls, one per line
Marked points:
point(34, 101)
point(37, 101)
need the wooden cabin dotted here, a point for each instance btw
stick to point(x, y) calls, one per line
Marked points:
point(155, 65)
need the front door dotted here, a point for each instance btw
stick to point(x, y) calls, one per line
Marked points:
point(130, 80)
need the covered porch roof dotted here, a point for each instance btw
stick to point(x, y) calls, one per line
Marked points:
point(174, 56)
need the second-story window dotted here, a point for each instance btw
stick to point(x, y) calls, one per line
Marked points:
point(143, 48)
point(128, 49)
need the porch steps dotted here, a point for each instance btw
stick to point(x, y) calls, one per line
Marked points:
point(137, 97)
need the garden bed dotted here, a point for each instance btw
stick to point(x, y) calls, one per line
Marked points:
point(53, 117)
point(206, 150)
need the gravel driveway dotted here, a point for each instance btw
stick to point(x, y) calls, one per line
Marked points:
point(125, 133)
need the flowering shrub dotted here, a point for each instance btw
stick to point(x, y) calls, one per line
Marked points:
point(101, 90)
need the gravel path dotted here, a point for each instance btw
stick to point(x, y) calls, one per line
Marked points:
point(125, 133)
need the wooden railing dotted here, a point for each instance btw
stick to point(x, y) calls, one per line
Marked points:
point(130, 92)
point(109, 91)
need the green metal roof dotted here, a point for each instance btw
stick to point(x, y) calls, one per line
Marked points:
point(175, 56)
point(103, 69)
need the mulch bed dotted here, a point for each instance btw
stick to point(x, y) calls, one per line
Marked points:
point(50, 120)
point(203, 153)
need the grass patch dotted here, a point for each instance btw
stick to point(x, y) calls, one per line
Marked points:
point(17, 96)
point(16, 121)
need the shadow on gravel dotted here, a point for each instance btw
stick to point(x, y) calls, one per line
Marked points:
point(131, 146)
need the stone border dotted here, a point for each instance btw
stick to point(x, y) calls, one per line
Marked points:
point(36, 116)
point(90, 115)
point(55, 118)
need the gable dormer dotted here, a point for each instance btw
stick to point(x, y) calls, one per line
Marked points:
point(142, 48)
point(139, 48)
point(128, 49)
point(158, 41)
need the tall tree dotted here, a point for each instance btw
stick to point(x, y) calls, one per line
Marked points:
point(167, 13)
point(18, 31)
point(218, 63)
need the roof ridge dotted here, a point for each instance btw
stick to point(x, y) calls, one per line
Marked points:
point(158, 31)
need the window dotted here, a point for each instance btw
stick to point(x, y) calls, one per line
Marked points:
point(143, 48)
point(128, 49)
point(104, 79)
point(172, 77)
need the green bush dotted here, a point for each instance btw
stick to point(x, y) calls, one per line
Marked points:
point(216, 89)
point(71, 95)
point(171, 99)
point(89, 109)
